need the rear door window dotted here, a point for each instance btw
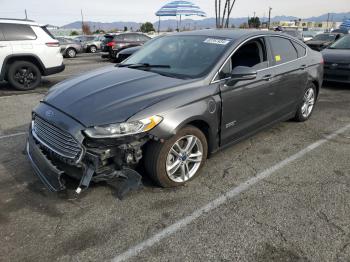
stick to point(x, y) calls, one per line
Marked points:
point(17, 32)
point(144, 38)
point(131, 37)
point(283, 50)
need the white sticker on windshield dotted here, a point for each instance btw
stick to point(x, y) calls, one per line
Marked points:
point(216, 41)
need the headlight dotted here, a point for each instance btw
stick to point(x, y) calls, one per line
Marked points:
point(123, 129)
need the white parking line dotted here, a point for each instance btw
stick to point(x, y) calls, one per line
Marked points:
point(13, 135)
point(168, 231)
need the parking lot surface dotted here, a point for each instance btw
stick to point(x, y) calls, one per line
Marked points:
point(294, 207)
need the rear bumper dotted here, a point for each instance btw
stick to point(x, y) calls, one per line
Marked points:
point(54, 70)
point(334, 75)
point(42, 167)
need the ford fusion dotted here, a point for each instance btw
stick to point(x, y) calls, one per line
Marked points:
point(165, 109)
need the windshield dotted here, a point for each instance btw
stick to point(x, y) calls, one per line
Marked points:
point(183, 56)
point(343, 43)
point(325, 37)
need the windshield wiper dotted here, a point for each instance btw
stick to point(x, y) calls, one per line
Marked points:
point(145, 65)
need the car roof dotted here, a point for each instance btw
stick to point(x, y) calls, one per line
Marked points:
point(229, 33)
point(18, 21)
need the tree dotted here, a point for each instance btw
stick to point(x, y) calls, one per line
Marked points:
point(254, 22)
point(223, 16)
point(73, 33)
point(86, 29)
point(147, 27)
point(244, 26)
point(125, 28)
point(98, 31)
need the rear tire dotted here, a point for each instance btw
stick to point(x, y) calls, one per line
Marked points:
point(307, 105)
point(23, 75)
point(169, 168)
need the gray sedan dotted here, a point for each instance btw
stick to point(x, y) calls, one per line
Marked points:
point(169, 106)
point(69, 48)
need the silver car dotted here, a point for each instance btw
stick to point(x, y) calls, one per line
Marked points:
point(69, 48)
point(94, 45)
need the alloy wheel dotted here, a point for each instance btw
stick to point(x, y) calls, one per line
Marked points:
point(309, 101)
point(25, 76)
point(71, 53)
point(93, 49)
point(184, 159)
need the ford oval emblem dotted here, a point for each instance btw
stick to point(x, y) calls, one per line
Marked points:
point(49, 113)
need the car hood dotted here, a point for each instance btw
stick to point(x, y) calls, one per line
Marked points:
point(111, 94)
point(336, 55)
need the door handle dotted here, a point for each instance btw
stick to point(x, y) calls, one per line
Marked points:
point(267, 77)
point(2, 46)
point(302, 67)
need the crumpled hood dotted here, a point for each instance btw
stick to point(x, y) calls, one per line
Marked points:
point(336, 55)
point(111, 94)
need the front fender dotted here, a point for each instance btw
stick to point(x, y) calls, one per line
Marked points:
point(204, 113)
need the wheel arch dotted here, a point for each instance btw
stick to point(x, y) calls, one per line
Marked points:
point(203, 125)
point(317, 85)
point(69, 48)
point(21, 57)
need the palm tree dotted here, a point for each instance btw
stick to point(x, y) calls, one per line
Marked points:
point(226, 13)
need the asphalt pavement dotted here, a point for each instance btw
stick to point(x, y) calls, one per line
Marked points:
point(282, 195)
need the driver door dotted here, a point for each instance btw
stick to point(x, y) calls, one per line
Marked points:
point(249, 104)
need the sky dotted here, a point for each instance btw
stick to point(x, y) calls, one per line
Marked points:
point(61, 12)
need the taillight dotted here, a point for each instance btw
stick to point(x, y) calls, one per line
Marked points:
point(111, 44)
point(53, 44)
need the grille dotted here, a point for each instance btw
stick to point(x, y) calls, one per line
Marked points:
point(56, 140)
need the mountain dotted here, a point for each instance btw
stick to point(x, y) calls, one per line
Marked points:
point(168, 24)
point(105, 26)
point(336, 17)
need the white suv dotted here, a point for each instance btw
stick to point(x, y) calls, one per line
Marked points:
point(27, 52)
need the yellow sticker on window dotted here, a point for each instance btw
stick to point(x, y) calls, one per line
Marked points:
point(278, 58)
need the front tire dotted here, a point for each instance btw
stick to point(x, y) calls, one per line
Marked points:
point(177, 160)
point(23, 75)
point(71, 53)
point(307, 105)
point(92, 49)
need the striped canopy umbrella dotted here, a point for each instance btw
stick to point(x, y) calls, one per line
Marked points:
point(180, 8)
point(345, 25)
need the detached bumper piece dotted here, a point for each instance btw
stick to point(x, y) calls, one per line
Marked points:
point(51, 171)
point(43, 168)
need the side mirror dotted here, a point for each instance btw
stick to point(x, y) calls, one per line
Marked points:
point(241, 73)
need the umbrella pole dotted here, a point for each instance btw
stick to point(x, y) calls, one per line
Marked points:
point(177, 24)
point(159, 25)
point(180, 24)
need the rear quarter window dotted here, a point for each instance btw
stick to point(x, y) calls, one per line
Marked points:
point(16, 32)
point(282, 50)
point(48, 32)
point(1, 34)
point(300, 49)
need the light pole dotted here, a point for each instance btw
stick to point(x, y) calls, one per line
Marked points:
point(269, 23)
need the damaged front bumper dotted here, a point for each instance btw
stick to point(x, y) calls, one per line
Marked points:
point(43, 168)
point(112, 161)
